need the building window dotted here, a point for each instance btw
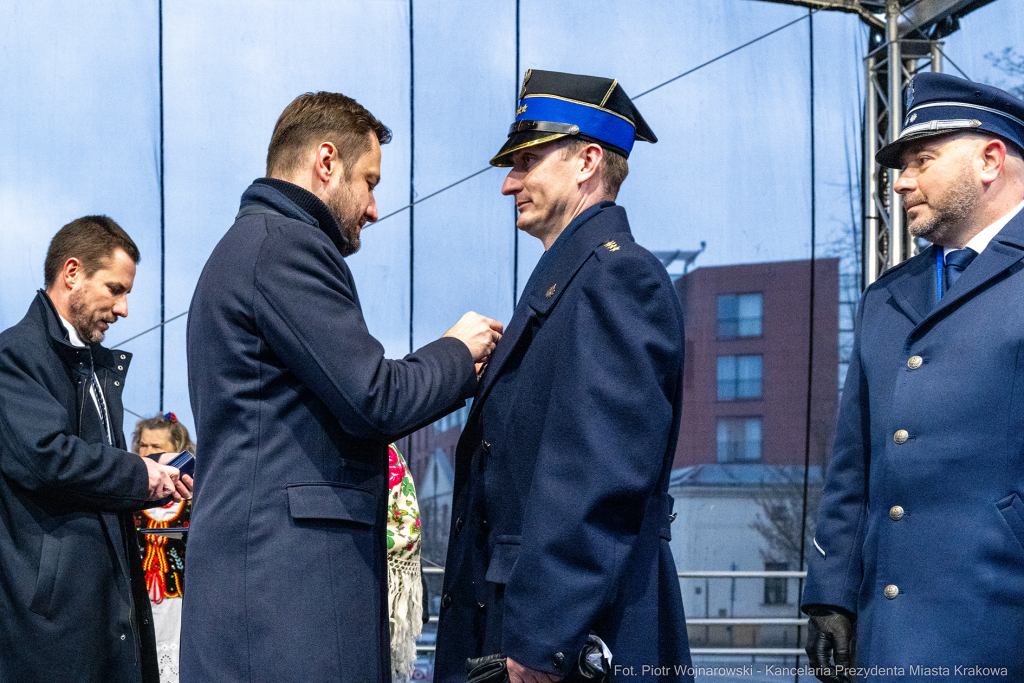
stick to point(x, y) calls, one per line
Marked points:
point(739, 315)
point(739, 377)
point(739, 439)
point(776, 589)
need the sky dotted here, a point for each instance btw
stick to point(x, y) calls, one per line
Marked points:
point(82, 130)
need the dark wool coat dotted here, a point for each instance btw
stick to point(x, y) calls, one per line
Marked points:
point(294, 405)
point(73, 603)
point(560, 519)
point(949, 375)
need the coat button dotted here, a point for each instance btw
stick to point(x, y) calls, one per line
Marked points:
point(120, 367)
point(891, 591)
point(123, 356)
point(901, 436)
point(458, 525)
point(122, 636)
point(915, 362)
point(558, 659)
point(895, 513)
point(481, 606)
point(446, 601)
point(116, 383)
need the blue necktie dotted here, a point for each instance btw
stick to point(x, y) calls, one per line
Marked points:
point(955, 263)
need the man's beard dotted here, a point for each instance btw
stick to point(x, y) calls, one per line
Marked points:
point(347, 215)
point(87, 326)
point(949, 211)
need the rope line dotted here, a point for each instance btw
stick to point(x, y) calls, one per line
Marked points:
point(155, 327)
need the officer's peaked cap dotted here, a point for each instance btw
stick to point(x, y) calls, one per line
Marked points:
point(940, 104)
point(553, 105)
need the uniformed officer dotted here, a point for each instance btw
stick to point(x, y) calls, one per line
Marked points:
point(916, 572)
point(560, 513)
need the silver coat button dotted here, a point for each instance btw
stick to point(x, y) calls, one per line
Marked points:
point(915, 362)
point(891, 591)
point(116, 383)
point(120, 367)
point(896, 513)
point(901, 436)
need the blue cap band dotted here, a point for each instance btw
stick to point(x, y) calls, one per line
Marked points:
point(593, 122)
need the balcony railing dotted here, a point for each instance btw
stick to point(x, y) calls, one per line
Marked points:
point(718, 621)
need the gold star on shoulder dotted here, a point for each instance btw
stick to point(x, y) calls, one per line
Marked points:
point(611, 246)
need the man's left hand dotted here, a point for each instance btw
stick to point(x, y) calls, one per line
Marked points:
point(517, 673)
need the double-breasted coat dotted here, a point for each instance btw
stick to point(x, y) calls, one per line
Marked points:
point(560, 517)
point(921, 527)
point(294, 405)
point(73, 602)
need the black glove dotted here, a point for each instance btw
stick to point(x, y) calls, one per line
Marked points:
point(489, 669)
point(831, 634)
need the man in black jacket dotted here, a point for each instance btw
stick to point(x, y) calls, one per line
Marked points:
point(295, 404)
point(73, 603)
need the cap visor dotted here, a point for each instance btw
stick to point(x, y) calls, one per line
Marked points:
point(519, 141)
point(891, 156)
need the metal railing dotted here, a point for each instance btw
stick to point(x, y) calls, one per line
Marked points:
point(716, 621)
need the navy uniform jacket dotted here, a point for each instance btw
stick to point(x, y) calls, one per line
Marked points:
point(73, 602)
point(560, 512)
point(940, 516)
point(294, 405)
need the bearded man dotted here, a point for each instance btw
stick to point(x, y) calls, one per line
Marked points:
point(73, 602)
point(916, 571)
point(295, 405)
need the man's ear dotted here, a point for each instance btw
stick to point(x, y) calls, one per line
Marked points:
point(72, 272)
point(590, 158)
point(993, 159)
point(327, 162)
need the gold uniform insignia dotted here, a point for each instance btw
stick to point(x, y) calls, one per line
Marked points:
point(611, 246)
point(551, 292)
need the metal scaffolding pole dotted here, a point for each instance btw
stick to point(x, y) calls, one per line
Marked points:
point(896, 238)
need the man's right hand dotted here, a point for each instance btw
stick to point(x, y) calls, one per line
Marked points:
point(831, 635)
point(480, 334)
point(165, 482)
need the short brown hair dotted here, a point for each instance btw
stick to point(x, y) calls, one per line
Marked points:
point(616, 168)
point(180, 439)
point(313, 118)
point(91, 240)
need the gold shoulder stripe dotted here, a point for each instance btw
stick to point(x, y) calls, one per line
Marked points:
point(611, 246)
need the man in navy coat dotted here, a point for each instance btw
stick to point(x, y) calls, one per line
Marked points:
point(561, 513)
point(73, 602)
point(295, 405)
point(918, 566)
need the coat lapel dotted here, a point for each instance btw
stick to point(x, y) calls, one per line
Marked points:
point(916, 292)
point(1005, 250)
point(605, 225)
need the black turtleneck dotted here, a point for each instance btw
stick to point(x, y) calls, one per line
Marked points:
point(311, 204)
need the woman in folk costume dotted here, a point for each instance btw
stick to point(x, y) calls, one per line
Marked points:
point(163, 559)
point(405, 588)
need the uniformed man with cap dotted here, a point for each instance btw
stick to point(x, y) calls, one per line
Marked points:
point(917, 571)
point(560, 516)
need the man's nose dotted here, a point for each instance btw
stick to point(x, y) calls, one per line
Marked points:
point(511, 184)
point(904, 184)
point(371, 210)
point(121, 307)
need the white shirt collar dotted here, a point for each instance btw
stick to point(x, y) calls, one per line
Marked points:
point(72, 332)
point(981, 240)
